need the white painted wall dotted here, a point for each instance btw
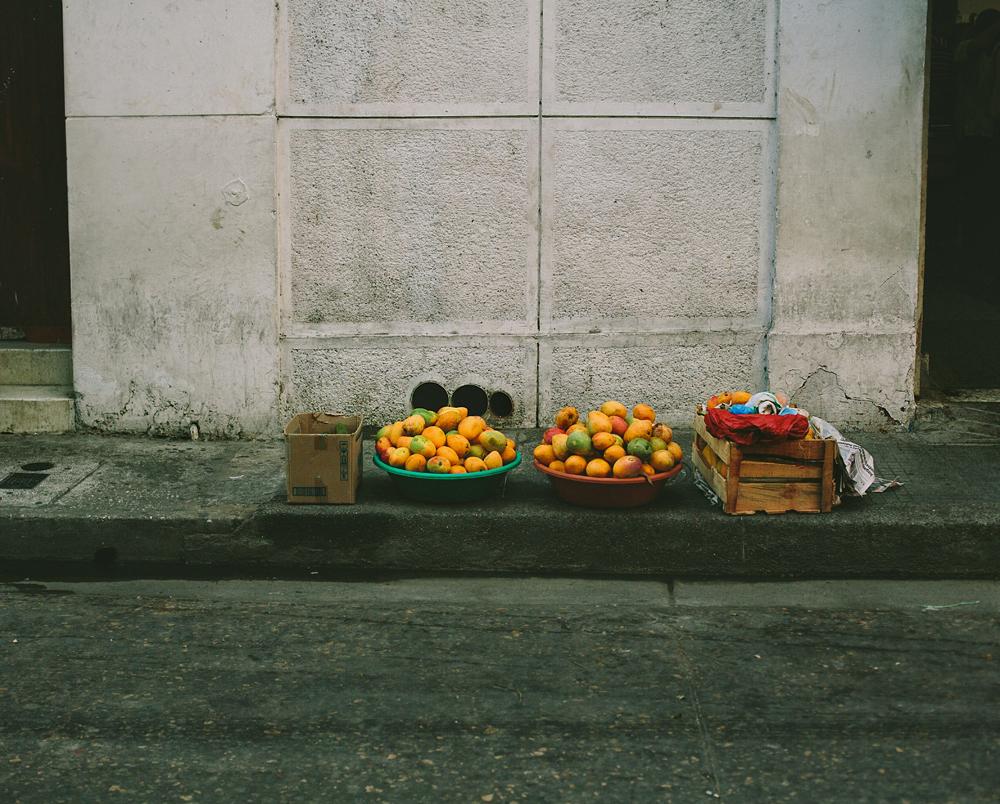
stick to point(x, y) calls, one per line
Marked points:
point(324, 205)
point(850, 120)
point(171, 165)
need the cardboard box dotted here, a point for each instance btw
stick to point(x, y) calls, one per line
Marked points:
point(773, 478)
point(323, 466)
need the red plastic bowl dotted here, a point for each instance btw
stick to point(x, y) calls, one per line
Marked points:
point(607, 492)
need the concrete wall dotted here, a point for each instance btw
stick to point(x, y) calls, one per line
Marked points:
point(171, 163)
point(327, 204)
point(850, 120)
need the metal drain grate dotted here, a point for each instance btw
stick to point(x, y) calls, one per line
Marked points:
point(21, 480)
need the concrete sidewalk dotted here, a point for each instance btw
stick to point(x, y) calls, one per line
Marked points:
point(150, 505)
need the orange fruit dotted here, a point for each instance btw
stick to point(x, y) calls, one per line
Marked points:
point(575, 464)
point(597, 422)
point(662, 460)
point(471, 427)
point(640, 428)
point(613, 408)
point(474, 464)
point(493, 440)
point(398, 456)
point(644, 412)
point(448, 418)
point(602, 441)
point(415, 463)
point(544, 454)
point(560, 446)
point(627, 466)
point(395, 431)
point(557, 466)
point(414, 425)
point(420, 445)
point(493, 460)
point(460, 444)
point(567, 417)
point(612, 454)
point(435, 434)
point(598, 467)
point(439, 465)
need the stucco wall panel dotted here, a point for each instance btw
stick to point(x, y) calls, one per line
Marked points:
point(650, 56)
point(172, 232)
point(842, 378)
point(670, 373)
point(850, 118)
point(422, 226)
point(410, 57)
point(178, 58)
point(656, 225)
point(375, 376)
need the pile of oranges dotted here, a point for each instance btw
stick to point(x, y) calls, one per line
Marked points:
point(609, 443)
point(446, 441)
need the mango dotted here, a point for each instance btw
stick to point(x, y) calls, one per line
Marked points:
point(664, 432)
point(473, 464)
point(602, 441)
point(597, 422)
point(439, 465)
point(415, 463)
point(493, 440)
point(448, 418)
point(544, 454)
point(567, 417)
point(676, 451)
point(477, 451)
point(641, 448)
point(449, 454)
point(471, 427)
point(460, 444)
point(414, 425)
point(640, 428)
point(429, 416)
point(598, 467)
point(618, 425)
point(579, 442)
point(644, 412)
point(395, 431)
point(576, 465)
point(560, 446)
point(612, 454)
point(613, 408)
point(435, 434)
point(493, 460)
point(627, 466)
point(421, 445)
point(662, 460)
point(398, 456)
point(656, 444)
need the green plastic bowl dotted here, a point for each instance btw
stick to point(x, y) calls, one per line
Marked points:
point(447, 488)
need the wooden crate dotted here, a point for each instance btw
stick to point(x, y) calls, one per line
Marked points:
point(773, 478)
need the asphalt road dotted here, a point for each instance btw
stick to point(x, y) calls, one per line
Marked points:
point(499, 690)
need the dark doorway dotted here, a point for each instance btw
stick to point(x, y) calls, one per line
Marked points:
point(961, 307)
point(34, 232)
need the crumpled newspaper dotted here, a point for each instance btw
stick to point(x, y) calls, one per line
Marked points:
point(858, 475)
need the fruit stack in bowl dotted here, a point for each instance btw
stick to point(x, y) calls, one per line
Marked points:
point(609, 443)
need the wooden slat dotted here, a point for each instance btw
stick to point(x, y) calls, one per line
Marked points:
point(720, 446)
point(826, 485)
point(717, 483)
point(775, 498)
point(752, 468)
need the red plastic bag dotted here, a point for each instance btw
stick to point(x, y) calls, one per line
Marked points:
point(753, 428)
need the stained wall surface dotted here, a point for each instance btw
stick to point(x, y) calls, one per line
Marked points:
point(325, 205)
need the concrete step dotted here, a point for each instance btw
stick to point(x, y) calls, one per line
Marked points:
point(35, 364)
point(36, 409)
